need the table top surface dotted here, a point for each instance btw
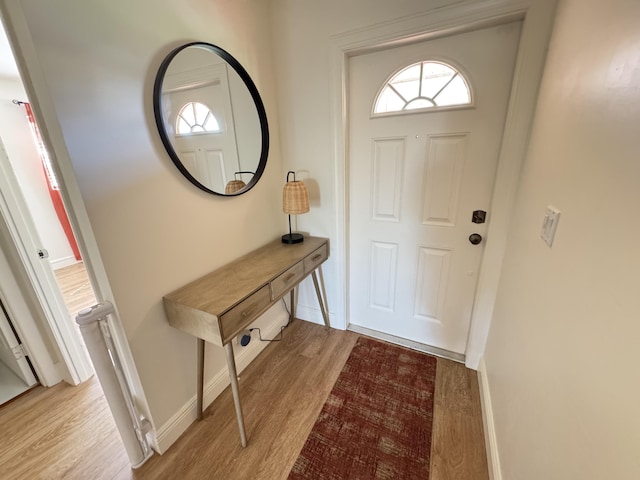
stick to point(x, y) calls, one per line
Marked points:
point(221, 289)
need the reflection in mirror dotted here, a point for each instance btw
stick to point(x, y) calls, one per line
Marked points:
point(211, 119)
point(237, 183)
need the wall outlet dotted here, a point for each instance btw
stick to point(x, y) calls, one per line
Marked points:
point(244, 338)
point(550, 224)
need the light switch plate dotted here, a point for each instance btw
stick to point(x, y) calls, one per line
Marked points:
point(550, 224)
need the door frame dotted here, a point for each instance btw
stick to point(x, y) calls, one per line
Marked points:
point(22, 231)
point(537, 17)
point(49, 369)
point(42, 103)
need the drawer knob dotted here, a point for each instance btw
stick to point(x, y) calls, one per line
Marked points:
point(288, 277)
point(316, 257)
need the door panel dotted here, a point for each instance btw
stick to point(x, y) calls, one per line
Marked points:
point(431, 283)
point(443, 178)
point(384, 263)
point(388, 157)
point(414, 180)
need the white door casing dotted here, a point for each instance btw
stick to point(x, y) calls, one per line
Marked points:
point(415, 180)
point(44, 361)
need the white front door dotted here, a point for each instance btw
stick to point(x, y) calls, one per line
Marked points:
point(416, 177)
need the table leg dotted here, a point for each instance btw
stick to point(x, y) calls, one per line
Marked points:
point(323, 308)
point(233, 375)
point(322, 288)
point(200, 374)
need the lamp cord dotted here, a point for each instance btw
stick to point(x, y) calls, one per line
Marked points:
point(279, 337)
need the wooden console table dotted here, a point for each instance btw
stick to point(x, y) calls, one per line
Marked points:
point(223, 303)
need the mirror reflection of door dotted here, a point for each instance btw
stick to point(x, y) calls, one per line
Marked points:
point(201, 115)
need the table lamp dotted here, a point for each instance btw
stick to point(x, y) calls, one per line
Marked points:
point(295, 200)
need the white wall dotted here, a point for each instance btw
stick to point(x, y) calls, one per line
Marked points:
point(18, 141)
point(563, 344)
point(155, 230)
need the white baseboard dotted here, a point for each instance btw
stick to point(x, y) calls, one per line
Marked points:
point(314, 315)
point(490, 439)
point(168, 433)
point(310, 314)
point(62, 262)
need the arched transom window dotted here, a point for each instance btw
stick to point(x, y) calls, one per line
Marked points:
point(421, 86)
point(196, 117)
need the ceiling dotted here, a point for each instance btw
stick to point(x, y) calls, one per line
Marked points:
point(8, 67)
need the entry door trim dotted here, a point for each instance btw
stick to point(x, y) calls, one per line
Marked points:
point(537, 17)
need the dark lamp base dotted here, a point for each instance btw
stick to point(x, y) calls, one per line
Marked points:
point(292, 238)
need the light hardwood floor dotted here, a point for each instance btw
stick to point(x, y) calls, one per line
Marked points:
point(66, 432)
point(75, 287)
point(61, 432)
point(77, 293)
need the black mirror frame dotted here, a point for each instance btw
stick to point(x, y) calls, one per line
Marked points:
point(255, 95)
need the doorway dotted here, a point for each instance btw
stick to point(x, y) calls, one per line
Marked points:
point(40, 303)
point(35, 244)
point(425, 128)
point(120, 380)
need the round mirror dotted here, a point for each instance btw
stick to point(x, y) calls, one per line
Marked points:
point(211, 119)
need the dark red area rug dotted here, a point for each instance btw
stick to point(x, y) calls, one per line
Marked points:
point(376, 423)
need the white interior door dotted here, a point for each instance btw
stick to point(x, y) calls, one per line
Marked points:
point(11, 352)
point(415, 179)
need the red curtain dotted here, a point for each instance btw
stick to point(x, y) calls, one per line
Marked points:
point(52, 182)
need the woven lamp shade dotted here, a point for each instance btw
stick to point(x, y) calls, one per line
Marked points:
point(233, 186)
point(295, 198)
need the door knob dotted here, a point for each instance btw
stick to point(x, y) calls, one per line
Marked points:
point(475, 238)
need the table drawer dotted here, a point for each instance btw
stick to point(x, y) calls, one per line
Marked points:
point(240, 316)
point(314, 259)
point(287, 280)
